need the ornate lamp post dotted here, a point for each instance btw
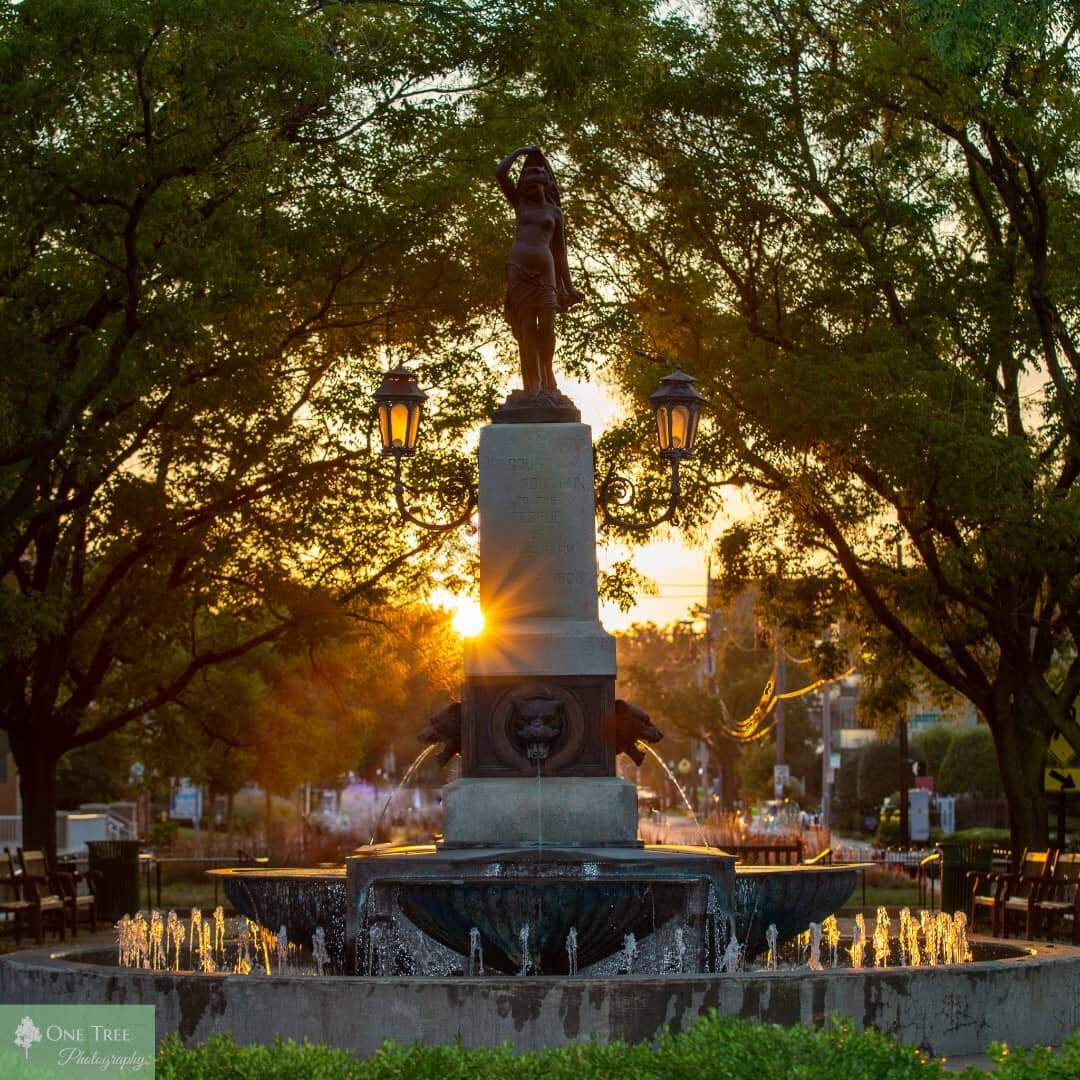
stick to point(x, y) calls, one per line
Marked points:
point(400, 404)
point(677, 406)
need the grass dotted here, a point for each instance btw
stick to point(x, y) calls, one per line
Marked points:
point(181, 895)
point(886, 896)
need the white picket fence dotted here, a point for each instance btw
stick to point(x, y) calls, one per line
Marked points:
point(73, 830)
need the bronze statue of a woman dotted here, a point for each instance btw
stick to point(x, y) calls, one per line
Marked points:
point(538, 284)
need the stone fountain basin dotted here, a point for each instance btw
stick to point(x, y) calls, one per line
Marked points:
point(1029, 999)
point(298, 899)
point(302, 899)
point(789, 897)
point(599, 914)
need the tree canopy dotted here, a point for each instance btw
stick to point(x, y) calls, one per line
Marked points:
point(970, 766)
point(218, 224)
point(857, 224)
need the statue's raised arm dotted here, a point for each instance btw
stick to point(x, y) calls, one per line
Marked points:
point(538, 283)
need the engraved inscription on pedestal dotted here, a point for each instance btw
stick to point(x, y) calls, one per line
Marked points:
point(537, 523)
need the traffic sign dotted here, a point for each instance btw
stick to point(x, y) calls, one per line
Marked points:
point(1060, 749)
point(1065, 778)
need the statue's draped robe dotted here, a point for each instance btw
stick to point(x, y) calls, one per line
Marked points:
point(526, 294)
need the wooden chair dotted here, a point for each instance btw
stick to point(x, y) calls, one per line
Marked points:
point(1019, 890)
point(1058, 898)
point(12, 902)
point(985, 886)
point(65, 885)
point(42, 904)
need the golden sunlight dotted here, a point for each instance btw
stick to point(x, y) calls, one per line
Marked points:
point(468, 619)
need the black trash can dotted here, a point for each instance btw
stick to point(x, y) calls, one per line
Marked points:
point(956, 861)
point(117, 861)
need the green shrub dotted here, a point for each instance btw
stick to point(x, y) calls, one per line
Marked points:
point(1040, 1063)
point(970, 765)
point(714, 1046)
point(164, 832)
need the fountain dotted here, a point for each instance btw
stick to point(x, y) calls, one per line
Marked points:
point(540, 917)
point(540, 834)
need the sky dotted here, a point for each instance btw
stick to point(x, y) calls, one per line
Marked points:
point(678, 570)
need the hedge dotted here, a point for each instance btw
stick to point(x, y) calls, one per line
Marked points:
point(724, 1048)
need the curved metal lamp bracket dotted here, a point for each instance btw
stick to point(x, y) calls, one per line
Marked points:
point(457, 489)
point(617, 490)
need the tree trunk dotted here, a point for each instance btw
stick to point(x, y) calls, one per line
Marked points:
point(1021, 739)
point(37, 788)
point(230, 843)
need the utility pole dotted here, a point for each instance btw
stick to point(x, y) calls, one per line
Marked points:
point(905, 783)
point(826, 758)
point(780, 688)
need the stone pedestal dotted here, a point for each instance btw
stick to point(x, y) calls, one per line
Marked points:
point(564, 811)
point(543, 639)
point(543, 657)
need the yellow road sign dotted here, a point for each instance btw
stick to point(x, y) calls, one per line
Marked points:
point(1061, 750)
point(1066, 778)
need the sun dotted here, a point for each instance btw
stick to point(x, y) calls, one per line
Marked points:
point(468, 619)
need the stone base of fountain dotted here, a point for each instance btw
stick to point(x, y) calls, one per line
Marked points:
point(506, 812)
point(1029, 999)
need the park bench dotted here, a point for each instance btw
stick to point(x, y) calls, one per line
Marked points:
point(787, 854)
point(1058, 898)
point(1018, 892)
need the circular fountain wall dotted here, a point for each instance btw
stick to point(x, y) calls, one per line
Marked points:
point(1024, 997)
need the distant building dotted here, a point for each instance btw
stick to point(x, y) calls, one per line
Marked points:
point(10, 804)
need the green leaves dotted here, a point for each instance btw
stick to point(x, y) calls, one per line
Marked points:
point(714, 1046)
point(218, 224)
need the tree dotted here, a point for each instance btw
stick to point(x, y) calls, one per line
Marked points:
point(219, 223)
point(931, 746)
point(970, 766)
point(660, 669)
point(858, 224)
point(877, 774)
point(281, 718)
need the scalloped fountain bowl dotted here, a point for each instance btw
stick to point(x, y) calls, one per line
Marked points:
point(648, 892)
